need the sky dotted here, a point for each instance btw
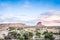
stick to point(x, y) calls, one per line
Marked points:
point(30, 12)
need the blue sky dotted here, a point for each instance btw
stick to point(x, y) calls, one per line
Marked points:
point(30, 11)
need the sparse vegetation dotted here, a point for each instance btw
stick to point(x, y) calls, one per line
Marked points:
point(11, 28)
point(27, 35)
point(48, 35)
point(38, 33)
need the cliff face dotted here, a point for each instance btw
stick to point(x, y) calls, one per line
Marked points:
point(11, 24)
point(39, 24)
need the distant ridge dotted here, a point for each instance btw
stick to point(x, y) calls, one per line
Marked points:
point(12, 24)
point(18, 24)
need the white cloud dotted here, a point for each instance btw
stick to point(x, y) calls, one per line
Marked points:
point(52, 20)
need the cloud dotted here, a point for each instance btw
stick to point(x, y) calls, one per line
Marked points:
point(48, 19)
point(18, 19)
point(10, 14)
point(51, 20)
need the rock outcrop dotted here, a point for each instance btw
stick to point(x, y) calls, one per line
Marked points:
point(12, 25)
point(39, 24)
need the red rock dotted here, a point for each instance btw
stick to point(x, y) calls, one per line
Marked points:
point(12, 24)
point(39, 24)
